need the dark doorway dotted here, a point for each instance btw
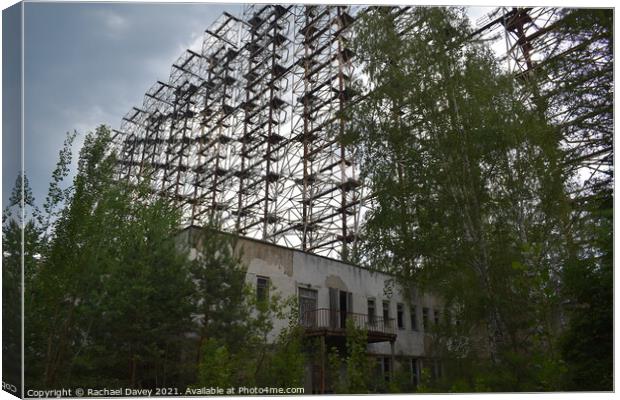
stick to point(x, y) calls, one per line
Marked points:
point(343, 309)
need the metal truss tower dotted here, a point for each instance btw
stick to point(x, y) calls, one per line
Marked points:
point(248, 131)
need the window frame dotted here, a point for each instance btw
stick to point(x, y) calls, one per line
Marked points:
point(413, 318)
point(372, 317)
point(400, 316)
point(311, 295)
point(266, 288)
point(425, 318)
point(415, 374)
point(386, 307)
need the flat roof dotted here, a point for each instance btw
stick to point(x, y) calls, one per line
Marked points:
point(264, 242)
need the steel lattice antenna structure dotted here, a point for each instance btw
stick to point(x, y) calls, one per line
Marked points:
point(532, 44)
point(248, 130)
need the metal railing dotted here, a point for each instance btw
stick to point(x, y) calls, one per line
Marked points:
point(325, 318)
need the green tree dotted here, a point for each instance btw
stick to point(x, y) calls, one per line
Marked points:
point(222, 297)
point(587, 341)
point(469, 198)
point(286, 356)
point(110, 302)
point(358, 366)
point(237, 346)
point(223, 302)
point(354, 377)
point(216, 368)
point(576, 86)
point(17, 220)
point(114, 297)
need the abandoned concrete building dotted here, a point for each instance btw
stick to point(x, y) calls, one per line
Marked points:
point(329, 292)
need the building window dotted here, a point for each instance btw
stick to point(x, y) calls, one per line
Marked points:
point(386, 311)
point(424, 318)
point(372, 313)
point(415, 377)
point(262, 289)
point(384, 368)
point(400, 310)
point(414, 319)
point(307, 307)
point(379, 369)
point(437, 315)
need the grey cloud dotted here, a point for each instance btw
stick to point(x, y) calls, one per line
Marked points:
point(89, 63)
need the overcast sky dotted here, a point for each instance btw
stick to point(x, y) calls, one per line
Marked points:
point(87, 64)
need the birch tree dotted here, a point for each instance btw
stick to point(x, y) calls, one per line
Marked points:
point(468, 191)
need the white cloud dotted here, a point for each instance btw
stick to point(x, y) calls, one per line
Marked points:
point(159, 66)
point(114, 24)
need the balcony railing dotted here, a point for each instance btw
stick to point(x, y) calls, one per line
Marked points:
point(324, 318)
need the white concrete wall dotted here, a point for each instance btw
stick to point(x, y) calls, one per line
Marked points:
point(289, 269)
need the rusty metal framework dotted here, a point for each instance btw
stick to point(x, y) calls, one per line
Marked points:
point(524, 31)
point(248, 130)
point(532, 45)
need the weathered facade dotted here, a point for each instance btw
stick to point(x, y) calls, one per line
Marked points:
point(329, 292)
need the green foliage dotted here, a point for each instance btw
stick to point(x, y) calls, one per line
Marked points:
point(17, 221)
point(358, 367)
point(286, 359)
point(57, 196)
point(109, 258)
point(286, 364)
point(236, 328)
point(587, 342)
point(581, 105)
point(470, 187)
point(426, 383)
point(113, 297)
point(354, 377)
point(576, 91)
point(231, 314)
point(216, 369)
point(335, 378)
point(221, 294)
point(400, 381)
point(470, 201)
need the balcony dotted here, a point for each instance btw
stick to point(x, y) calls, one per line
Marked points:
point(326, 322)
